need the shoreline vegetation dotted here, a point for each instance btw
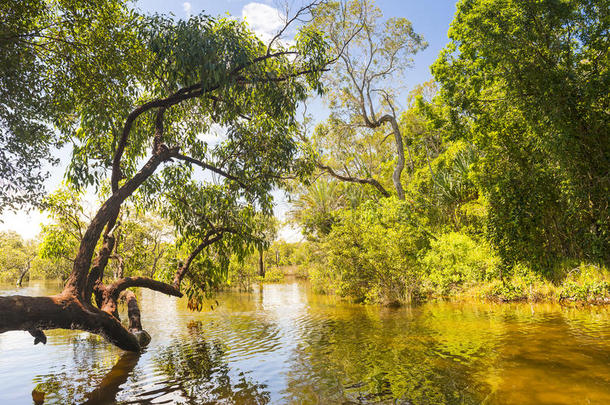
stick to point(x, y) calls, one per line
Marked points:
point(591, 287)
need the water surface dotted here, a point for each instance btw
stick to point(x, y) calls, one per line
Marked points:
point(282, 344)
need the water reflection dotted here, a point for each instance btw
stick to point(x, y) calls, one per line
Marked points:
point(110, 385)
point(200, 374)
point(283, 344)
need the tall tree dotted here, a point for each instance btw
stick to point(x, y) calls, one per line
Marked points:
point(365, 82)
point(198, 72)
point(528, 80)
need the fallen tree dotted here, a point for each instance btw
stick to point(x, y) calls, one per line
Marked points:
point(198, 72)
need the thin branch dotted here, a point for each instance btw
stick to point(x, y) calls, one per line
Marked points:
point(181, 272)
point(290, 21)
point(358, 180)
point(207, 166)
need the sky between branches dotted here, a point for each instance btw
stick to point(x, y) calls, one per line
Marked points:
point(430, 18)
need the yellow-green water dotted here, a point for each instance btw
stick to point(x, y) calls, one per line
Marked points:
point(283, 344)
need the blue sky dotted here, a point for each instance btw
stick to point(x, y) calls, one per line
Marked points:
point(430, 18)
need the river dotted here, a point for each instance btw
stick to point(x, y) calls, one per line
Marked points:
point(283, 344)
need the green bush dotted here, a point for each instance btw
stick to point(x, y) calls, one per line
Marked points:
point(273, 275)
point(455, 259)
point(370, 254)
point(586, 283)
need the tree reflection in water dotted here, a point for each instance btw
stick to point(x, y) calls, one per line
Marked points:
point(189, 370)
point(372, 357)
point(109, 387)
point(202, 375)
point(85, 369)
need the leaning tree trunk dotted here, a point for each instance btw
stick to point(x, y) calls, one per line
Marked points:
point(72, 308)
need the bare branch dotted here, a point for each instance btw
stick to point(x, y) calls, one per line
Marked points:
point(358, 180)
point(296, 16)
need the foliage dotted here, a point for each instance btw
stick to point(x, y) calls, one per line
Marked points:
point(274, 275)
point(527, 80)
point(455, 259)
point(60, 238)
point(16, 256)
point(508, 161)
point(314, 207)
point(374, 53)
point(242, 273)
point(371, 253)
point(142, 241)
point(586, 283)
point(54, 56)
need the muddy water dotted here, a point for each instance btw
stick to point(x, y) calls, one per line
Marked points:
point(283, 344)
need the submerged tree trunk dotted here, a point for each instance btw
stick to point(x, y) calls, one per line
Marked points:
point(23, 274)
point(261, 262)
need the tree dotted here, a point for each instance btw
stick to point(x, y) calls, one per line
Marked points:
point(141, 241)
point(61, 238)
point(16, 256)
point(53, 55)
point(363, 84)
point(197, 72)
point(314, 207)
point(527, 82)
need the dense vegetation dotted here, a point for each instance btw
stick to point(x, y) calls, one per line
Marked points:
point(137, 93)
point(507, 152)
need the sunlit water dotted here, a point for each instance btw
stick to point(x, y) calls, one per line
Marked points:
point(283, 344)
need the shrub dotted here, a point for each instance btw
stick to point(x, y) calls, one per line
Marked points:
point(455, 259)
point(273, 275)
point(586, 283)
point(370, 254)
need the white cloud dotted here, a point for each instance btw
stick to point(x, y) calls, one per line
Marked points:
point(187, 8)
point(264, 20)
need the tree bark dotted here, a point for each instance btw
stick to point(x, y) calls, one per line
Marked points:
point(62, 311)
point(400, 163)
point(261, 262)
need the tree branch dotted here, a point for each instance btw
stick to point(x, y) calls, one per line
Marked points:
point(184, 93)
point(118, 286)
point(181, 272)
point(207, 166)
point(351, 179)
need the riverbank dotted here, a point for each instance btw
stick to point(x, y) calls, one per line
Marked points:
point(585, 284)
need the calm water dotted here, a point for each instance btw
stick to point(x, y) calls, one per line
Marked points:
point(282, 344)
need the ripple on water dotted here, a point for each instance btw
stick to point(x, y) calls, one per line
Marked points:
point(284, 345)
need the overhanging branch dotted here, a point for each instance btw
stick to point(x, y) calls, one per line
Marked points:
point(115, 288)
point(209, 167)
